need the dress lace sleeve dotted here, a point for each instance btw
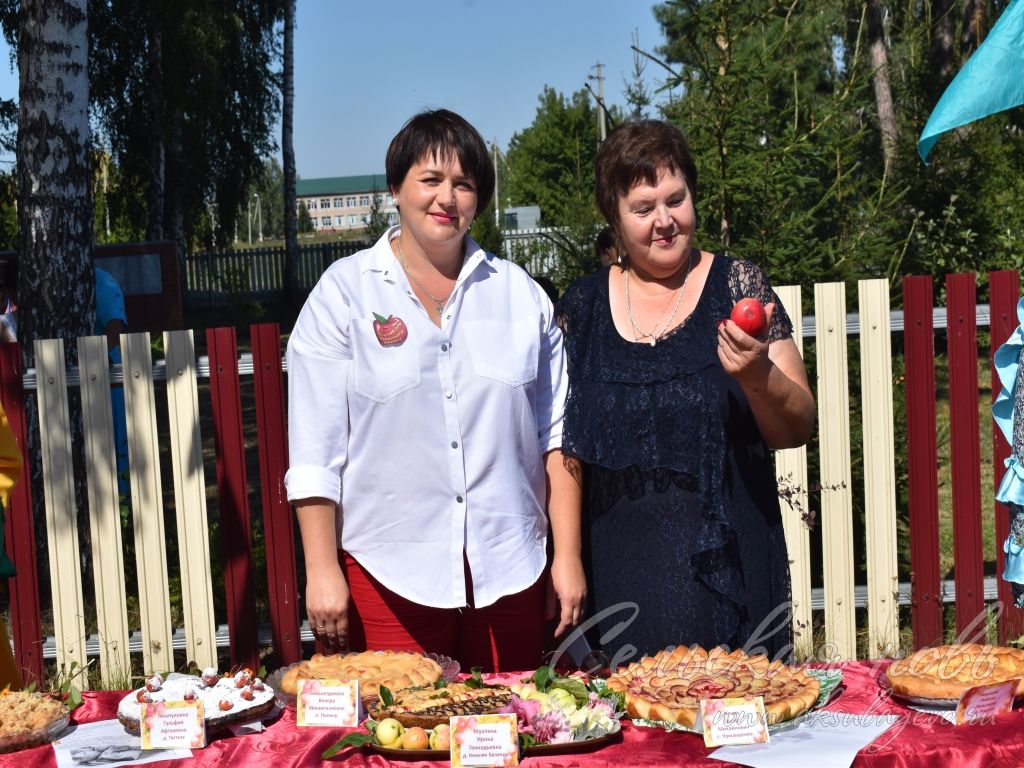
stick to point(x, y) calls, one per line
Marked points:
point(746, 279)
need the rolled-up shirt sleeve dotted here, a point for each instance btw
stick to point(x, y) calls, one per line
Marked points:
point(552, 382)
point(319, 362)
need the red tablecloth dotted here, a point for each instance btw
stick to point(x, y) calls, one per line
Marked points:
point(918, 740)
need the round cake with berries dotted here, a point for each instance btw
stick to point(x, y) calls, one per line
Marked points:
point(226, 699)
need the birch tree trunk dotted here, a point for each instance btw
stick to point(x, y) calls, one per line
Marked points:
point(880, 80)
point(291, 239)
point(56, 291)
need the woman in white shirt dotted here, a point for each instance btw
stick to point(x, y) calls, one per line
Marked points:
point(426, 386)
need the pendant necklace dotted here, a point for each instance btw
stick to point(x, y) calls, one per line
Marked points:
point(654, 335)
point(439, 304)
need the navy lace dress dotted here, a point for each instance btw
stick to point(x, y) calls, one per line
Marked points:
point(682, 528)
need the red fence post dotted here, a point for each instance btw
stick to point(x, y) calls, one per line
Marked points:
point(19, 530)
point(965, 450)
point(1004, 291)
point(278, 521)
point(232, 494)
point(922, 481)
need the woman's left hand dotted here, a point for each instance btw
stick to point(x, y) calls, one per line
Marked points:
point(567, 592)
point(745, 357)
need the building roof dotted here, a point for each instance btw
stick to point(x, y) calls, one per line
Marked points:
point(341, 185)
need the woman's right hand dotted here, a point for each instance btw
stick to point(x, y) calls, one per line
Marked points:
point(327, 606)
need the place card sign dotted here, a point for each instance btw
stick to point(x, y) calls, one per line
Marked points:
point(332, 703)
point(173, 725)
point(484, 741)
point(983, 702)
point(733, 721)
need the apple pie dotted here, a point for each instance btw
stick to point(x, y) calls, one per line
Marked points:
point(428, 707)
point(946, 671)
point(394, 669)
point(670, 685)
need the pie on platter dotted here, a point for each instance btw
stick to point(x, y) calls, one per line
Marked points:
point(943, 673)
point(396, 670)
point(226, 699)
point(669, 686)
point(28, 719)
point(556, 715)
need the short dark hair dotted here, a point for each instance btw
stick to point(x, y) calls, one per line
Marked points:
point(605, 240)
point(633, 152)
point(445, 134)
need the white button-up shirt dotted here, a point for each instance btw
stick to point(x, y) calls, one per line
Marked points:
point(434, 446)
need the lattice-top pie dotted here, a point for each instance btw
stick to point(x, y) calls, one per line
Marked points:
point(669, 685)
point(394, 669)
point(428, 707)
point(946, 671)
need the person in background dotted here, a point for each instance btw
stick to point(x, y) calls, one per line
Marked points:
point(673, 412)
point(606, 248)
point(112, 321)
point(10, 471)
point(549, 287)
point(426, 383)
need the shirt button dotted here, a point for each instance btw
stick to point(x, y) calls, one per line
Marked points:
point(458, 499)
point(448, 394)
point(455, 444)
point(444, 347)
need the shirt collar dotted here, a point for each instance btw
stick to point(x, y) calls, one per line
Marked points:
point(382, 259)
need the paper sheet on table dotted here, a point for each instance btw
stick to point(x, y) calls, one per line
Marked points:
point(107, 744)
point(947, 714)
point(823, 740)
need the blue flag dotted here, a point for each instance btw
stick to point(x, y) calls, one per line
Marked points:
point(991, 81)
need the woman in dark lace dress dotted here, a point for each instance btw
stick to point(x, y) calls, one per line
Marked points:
point(672, 414)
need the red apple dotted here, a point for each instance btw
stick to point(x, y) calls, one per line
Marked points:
point(750, 316)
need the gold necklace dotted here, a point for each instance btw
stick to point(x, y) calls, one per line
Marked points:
point(439, 304)
point(655, 335)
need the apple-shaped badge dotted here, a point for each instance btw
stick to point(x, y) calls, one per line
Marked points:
point(390, 330)
point(750, 316)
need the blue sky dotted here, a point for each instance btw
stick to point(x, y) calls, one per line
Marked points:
point(363, 68)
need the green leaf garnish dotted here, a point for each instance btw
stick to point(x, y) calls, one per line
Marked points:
point(356, 739)
point(542, 678)
point(386, 696)
point(441, 683)
point(574, 686)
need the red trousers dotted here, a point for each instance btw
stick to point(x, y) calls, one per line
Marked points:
point(505, 636)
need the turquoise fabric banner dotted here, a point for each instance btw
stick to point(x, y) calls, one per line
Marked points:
point(991, 81)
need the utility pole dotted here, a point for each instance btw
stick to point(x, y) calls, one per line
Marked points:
point(248, 217)
point(497, 197)
point(601, 132)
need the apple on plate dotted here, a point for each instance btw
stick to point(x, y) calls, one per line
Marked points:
point(389, 733)
point(441, 737)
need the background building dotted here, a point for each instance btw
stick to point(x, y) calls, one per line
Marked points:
point(343, 202)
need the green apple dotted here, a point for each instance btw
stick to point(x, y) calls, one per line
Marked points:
point(389, 733)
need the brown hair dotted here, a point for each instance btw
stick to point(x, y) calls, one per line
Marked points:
point(633, 152)
point(445, 134)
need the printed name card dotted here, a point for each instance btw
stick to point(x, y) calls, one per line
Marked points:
point(983, 702)
point(484, 741)
point(173, 725)
point(733, 721)
point(327, 702)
